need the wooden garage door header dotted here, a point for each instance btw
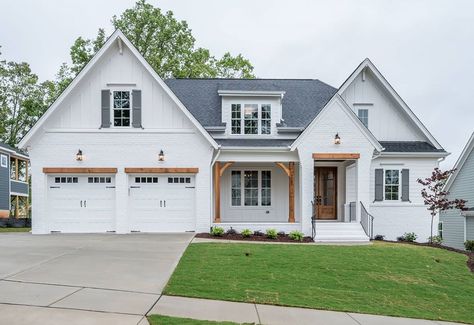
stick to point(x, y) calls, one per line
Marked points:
point(79, 170)
point(338, 155)
point(162, 170)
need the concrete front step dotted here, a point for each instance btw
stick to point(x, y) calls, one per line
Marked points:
point(340, 232)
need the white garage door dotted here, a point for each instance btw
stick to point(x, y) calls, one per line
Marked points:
point(81, 203)
point(161, 203)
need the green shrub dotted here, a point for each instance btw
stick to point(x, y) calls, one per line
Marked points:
point(436, 240)
point(408, 237)
point(296, 235)
point(469, 244)
point(217, 231)
point(246, 233)
point(272, 233)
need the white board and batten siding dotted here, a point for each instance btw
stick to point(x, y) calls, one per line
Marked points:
point(75, 125)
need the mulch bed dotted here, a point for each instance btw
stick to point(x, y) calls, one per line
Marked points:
point(281, 238)
point(470, 255)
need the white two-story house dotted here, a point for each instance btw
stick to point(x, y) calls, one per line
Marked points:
point(122, 150)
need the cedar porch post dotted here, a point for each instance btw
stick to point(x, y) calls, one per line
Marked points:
point(291, 192)
point(217, 192)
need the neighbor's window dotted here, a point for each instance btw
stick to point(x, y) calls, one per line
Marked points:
point(253, 119)
point(392, 184)
point(121, 109)
point(255, 186)
point(440, 229)
point(4, 161)
point(236, 188)
point(236, 119)
point(363, 114)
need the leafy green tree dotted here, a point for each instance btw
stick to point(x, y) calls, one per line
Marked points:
point(166, 43)
point(22, 100)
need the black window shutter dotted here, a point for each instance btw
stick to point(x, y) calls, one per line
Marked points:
point(137, 108)
point(405, 185)
point(379, 184)
point(105, 108)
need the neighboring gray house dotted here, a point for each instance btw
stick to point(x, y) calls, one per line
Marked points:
point(13, 182)
point(458, 226)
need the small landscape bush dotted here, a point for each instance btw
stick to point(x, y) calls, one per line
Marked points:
point(379, 237)
point(296, 235)
point(217, 231)
point(436, 240)
point(272, 233)
point(246, 233)
point(281, 233)
point(231, 231)
point(469, 245)
point(258, 233)
point(408, 237)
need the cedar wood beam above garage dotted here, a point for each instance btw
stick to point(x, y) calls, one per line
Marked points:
point(161, 170)
point(79, 170)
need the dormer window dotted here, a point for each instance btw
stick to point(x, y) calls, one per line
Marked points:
point(255, 119)
point(121, 108)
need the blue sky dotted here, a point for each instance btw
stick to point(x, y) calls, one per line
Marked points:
point(424, 48)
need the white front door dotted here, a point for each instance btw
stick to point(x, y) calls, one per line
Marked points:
point(81, 203)
point(162, 203)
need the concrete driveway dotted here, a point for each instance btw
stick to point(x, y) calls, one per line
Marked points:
point(84, 279)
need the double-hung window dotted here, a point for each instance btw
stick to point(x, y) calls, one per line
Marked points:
point(251, 188)
point(251, 119)
point(363, 114)
point(392, 184)
point(121, 108)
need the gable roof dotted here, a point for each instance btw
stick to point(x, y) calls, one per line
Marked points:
point(350, 113)
point(119, 37)
point(302, 101)
point(468, 149)
point(367, 64)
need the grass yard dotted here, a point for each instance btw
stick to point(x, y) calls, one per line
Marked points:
point(384, 278)
point(14, 229)
point(167, 320)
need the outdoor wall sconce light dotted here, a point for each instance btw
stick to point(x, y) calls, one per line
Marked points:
point(161, 156)
point(337, 139)
point(79, 156)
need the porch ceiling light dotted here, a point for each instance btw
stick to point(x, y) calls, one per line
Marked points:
point(161, 156)
point(79, 155)
point(337, 139)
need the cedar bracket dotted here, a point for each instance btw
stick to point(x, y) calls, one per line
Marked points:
point(285, 169)
point(226, 165)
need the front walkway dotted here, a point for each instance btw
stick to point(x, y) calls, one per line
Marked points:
point(85, 279)
point(217, 310)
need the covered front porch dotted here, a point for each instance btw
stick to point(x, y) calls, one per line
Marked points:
point(258, 191)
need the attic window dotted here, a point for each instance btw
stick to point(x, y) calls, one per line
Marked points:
point(121, 110)
point(253, 119)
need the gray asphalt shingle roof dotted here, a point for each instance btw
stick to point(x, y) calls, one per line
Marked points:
point(409, 146)
point(6, 146)
point(303, 98)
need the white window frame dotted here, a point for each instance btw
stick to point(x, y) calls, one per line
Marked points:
point(399, 184)
point(242, 188)
point(358, 115)
point(259, 119)
point(112, 109)
point(4, 161)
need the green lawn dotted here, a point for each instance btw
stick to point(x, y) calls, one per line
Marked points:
point(14, 229)
point(387, 279)
point(166, 320)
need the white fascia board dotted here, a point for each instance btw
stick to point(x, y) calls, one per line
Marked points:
point(460, 162)
point(414, 154)
point(349, 113)
point(253, 149)
point(116, 35)
point(250, 93)
point(368, 64)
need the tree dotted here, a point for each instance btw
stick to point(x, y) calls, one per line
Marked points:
point(22, 100)
point(435, 197)
point(166, 43)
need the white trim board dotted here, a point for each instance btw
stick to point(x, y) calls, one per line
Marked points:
point(117, 35)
